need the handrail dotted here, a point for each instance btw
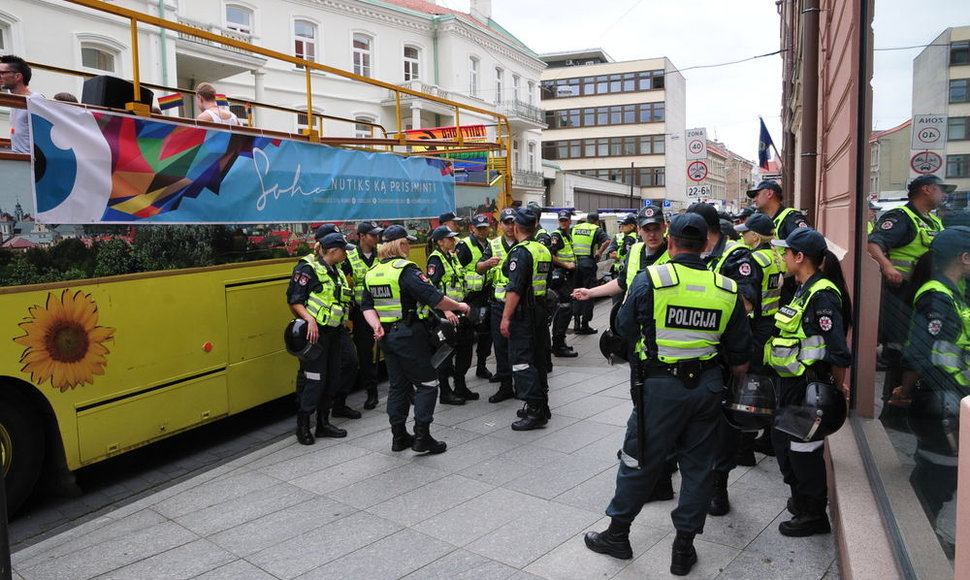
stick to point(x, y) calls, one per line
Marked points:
point(134, 18)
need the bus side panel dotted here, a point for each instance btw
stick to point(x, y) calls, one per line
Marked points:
point(260, 369)
point(119, 426)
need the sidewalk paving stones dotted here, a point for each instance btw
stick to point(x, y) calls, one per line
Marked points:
point(498, 504)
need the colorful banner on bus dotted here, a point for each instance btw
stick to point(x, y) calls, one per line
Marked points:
point(122, 169)
point(473, 161)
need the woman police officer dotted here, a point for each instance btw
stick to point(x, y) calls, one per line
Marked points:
point(395, 301)
point(808, 348)
point(318, 293)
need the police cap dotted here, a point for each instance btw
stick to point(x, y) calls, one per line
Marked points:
point(628, 220)
point(449, 216)
point(364, 228)
point(649, 214)
point(951, 242)
point(480, 221)
point(804, 240)
point(922, 180)
point(507, 214)
point(324, 230)
point(397, 232)
point(766, 184)
point(442, 232)
point(688, 226)
point(565, 214)
point(524, 217)
point(758, 223)
point(335, 240)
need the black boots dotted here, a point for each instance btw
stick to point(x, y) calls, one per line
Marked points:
point(340, 409)
point(614, 541)
point(810, 518)
point(424, 442)
point(445, 395)
point(325, 429)
point(503, 393)
point(559, 349)
point(582, 327)
point(683, 556)
point(402, 439)
point(535, 418)
point(720, 504)
point(303, 434)
point(461, 389)
point(482, 372)
point(371, 402)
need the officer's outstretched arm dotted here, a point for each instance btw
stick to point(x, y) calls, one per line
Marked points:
point(611, 288)
point(449, 304)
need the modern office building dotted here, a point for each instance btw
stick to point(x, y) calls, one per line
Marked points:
point(618, 121)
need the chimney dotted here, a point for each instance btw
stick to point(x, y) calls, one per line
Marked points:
point(481, 10)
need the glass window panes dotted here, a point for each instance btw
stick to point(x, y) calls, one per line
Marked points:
point(958, 166)
point(239, 19)
point(362, 55)
point(411, 63)
point(956, 128)
point(959, 92)
point(97, 59)
point(305, 40)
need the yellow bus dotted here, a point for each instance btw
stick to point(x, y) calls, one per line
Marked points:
point(92, 368)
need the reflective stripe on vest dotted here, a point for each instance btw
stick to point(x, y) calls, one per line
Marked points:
point(452, 281)
point(791, 351)
point(328, 306)
point(541, 265)
point(621, 247)
point(497, 277)
point(904, 257)
point(691, 310)
point(730, 246)
point(634, 263)
point(383, 281)
point(951, 358)
point(473, 280)
point(772, 269)
point(583, 236)
point(359, 269)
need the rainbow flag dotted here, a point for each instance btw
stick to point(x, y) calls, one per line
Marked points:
point(170, 101)
point(221, 100)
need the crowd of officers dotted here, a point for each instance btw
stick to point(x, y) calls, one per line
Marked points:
point(702, 303)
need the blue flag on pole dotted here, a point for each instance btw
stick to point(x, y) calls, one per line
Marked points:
point(764, 142)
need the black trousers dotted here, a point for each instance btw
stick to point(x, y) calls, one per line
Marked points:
point(560, 320)
point(407, 352)
point(323, 378)
point(483, 330)
point(458, 363)
point(366, 352)
point(802, 464)
point(529, 352)
point(679, 421)
point(503, 369)
point(585, 277)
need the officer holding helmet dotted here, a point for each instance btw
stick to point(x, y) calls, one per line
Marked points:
point(808, 351)
point(563, 282)
point(318, 293)
point(397, 297)
point(491, 263)
point(937, 351)
point(684, 316)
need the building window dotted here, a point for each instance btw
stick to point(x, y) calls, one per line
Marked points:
point(302, 121)
point(603, 84)
point(958, 166)
point(362, 129)
point(516, 81)
point(499, 84)
point(473, 76)
point(363, 45)
point(305, 41)
point(515, 155)
point(960, 52)
point(959, 92)
point(239, 18)
point(532, 93)
point(531, 152)
point(5, 44)
point(411, 63)
point(600, 116)
point(629, 146)
point(958, 128)
point(97, 58)
point(641, 176)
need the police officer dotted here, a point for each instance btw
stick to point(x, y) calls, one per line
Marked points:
point(318, 293)
point(589, 243)
point(620, 244)
point(446, 274)
point(732, 259)
point(491, 262)
point(395, 304)
point(523, 322)
point(900, 238)
point(808, 345)
point(683, 315)
point(469, 251)
point(360, 259)
point(938, 346)
point(757, 233)
point(766, 198)
point(563, 282)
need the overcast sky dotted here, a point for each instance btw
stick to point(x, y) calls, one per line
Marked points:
point(727, 100)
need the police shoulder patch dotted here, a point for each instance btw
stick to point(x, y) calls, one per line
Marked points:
point(432, 269)
point(512, 264)
point(825, 323)
point(887, 224)
point(744, 269)
point(802, 224)
point(935, 326)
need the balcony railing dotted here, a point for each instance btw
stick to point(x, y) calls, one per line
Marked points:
point(517, 109)
point(526, 178)
point(214, 29)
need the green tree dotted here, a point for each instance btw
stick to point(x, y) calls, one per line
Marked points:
point(71, 253)
point(115, 257)
point(169, 247)
point(19, 271)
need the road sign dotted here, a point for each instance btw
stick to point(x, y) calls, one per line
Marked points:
point(667, 203)
point(929, 132)
point(926, 162)
point(699, 190)
point(697, 171)
point(696, 144)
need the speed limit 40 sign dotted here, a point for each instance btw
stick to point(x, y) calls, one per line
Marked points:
point(929, 132)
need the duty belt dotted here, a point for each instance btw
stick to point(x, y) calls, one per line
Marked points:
point(688, 371)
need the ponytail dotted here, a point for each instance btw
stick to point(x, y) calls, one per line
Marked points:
point(832, 269)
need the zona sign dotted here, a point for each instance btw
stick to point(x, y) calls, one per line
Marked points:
point(697, 171)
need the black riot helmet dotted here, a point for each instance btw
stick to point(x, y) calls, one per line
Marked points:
point(294, 337)
point(822, 414)
point(934, 417)
point(613, 346)
point(751, 403)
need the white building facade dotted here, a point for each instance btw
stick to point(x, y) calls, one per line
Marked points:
point(466, 58)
